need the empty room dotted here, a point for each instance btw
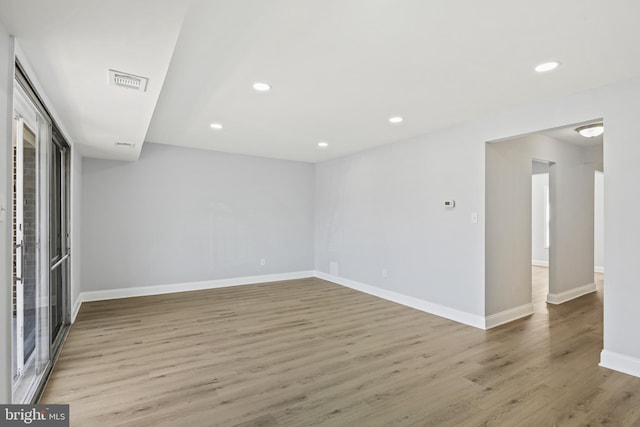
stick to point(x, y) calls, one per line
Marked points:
point(319, 213)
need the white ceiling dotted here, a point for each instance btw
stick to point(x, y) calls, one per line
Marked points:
point(569, 134)
point(71, 45)
point(339, 68)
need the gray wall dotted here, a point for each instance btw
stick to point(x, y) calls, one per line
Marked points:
point(599, 222)
point(622, 244)
point(384, 209)
point(76, 221)
point(381, 208)
point(181, 215)
point(508, 247)
point(6, 96)
point(540, 254)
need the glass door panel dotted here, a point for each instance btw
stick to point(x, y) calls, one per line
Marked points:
point(30, 302)
point(24, 243)
point(58, 248)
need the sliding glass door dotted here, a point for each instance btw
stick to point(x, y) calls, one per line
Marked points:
point(30, 305)
point(40, 242)
point(59, 235)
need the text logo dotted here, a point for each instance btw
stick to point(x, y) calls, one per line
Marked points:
point(34, 415)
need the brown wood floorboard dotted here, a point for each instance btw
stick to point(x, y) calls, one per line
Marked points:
point(312, 353)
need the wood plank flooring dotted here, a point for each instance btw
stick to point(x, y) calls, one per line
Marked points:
point(312, 353)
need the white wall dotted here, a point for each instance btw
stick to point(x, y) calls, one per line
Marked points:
point(6, 101)
point(184, 215)
point(539, 253)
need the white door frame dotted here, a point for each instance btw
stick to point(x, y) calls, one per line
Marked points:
point(19, 248)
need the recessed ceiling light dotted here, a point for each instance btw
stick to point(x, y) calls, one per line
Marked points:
point(323, 144)
point(396, 120)
point(547, 66)
point(215, 126)
point(591, 131)
point(261, 86)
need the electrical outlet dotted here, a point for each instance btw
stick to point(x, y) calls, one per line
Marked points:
point(474, 217)
point(263, 261)
point(333, 268)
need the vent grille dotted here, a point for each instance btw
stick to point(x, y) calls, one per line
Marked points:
point(128, 81)
point(125, 144)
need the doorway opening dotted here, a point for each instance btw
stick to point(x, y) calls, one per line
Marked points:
point(540, 232)
point(564, 224)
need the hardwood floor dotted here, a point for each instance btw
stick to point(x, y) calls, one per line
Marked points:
point(310, 353)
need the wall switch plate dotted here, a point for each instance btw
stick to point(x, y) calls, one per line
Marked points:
point(263, 261)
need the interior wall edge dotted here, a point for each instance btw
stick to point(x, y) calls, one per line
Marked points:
point(507, 316)
point(76, 305)
point(620, 362)
point(571, 294)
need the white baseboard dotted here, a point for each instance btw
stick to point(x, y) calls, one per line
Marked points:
point(76, 308)
point(598, 269)
point(190, 286)
point(508, 316)
point(571, 294)
point(406, 300)
point(620, 362)
point(418, 304)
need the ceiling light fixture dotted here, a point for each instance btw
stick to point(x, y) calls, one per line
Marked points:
point(323, 144)
point(547, 66)
point(261, 87)
point(217, 126)
point(591, 131)
point(396, 120)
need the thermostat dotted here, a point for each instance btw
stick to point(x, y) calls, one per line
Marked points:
point(449, 203)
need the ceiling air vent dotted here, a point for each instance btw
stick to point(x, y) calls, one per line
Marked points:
point(129, 81)
point(125, 144)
